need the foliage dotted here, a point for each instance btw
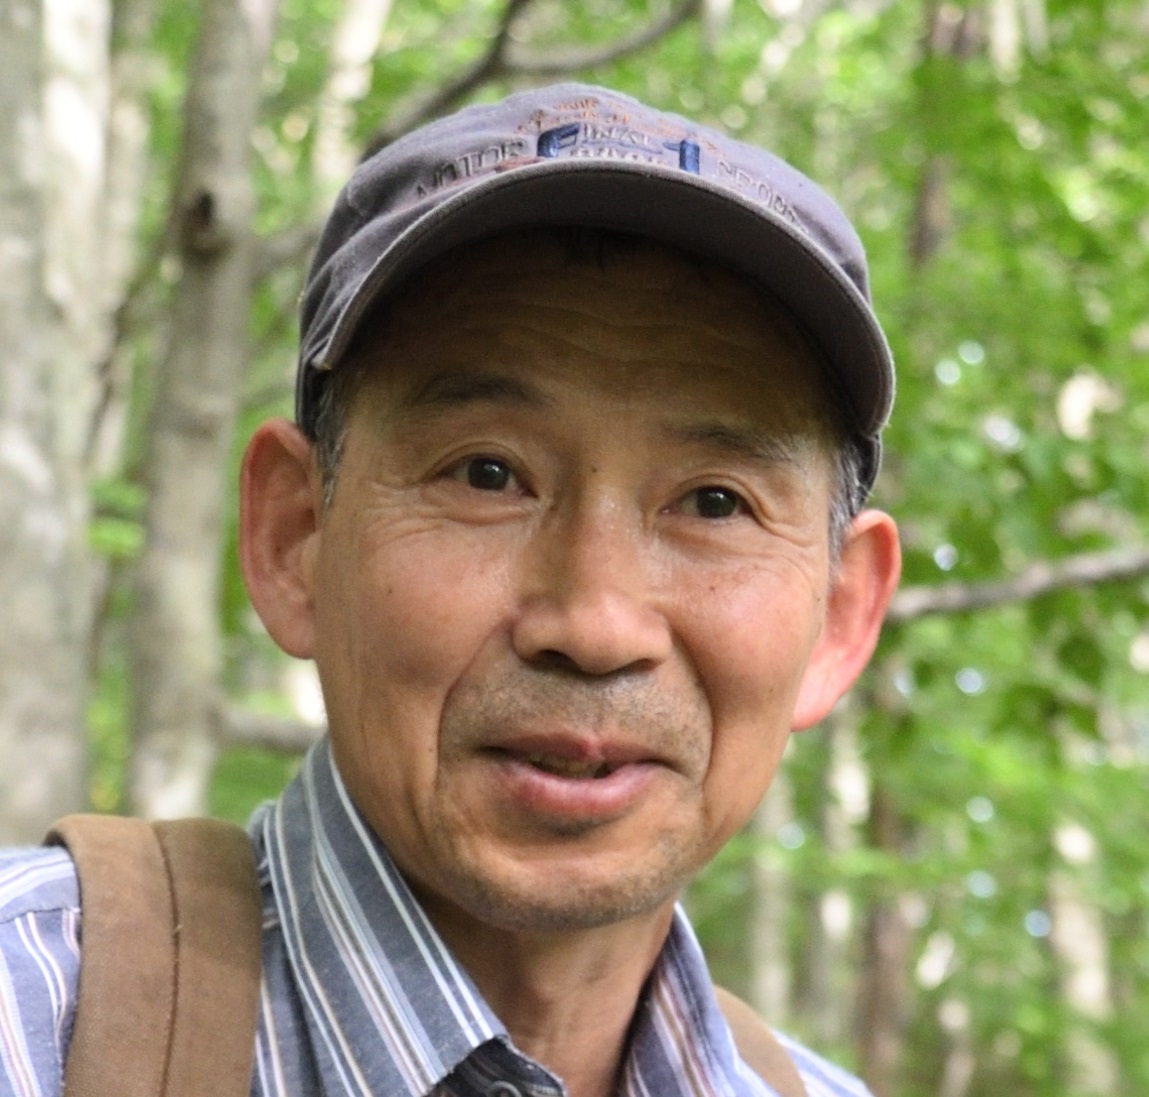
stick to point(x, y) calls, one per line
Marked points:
point(1020, 435)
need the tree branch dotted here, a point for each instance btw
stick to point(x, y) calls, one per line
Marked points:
point(288, 247)
point(293, 244)
point(501, 59)
point(285, 247)
point(241, 728)
point(560, 61)
point(487, 67)
point(1037, 579)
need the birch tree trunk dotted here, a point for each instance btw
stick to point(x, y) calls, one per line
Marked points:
point(883, 989)
point(1079, 942)
point(357, 36)
point(770, 976)
point(132, 71)
point(823, 997)
point(176, 649)
point(52, 96)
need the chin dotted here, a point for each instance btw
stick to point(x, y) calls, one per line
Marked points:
point(557, 901)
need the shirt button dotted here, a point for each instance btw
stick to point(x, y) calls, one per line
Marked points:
point(503, 1089)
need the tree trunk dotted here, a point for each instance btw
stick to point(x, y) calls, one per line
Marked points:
point(959, 1060)
point(770, 904)
point(883, 994)
point(131, 74)
point(823, 998)
point(1079, 942)
point(52, 89)
point(953, 32)
point(353, 46)
point(176, 648)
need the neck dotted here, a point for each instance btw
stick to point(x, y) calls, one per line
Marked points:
point(567, 999)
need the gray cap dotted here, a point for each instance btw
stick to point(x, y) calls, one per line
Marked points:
point(571, 154)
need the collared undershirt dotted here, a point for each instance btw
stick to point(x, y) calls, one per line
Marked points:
point(360, 996)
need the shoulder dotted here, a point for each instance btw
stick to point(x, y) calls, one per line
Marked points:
point(776, 1058)
point(39, 967)
point(39, 922)
point(756, 1058)
point(821, 1077)
point(37, 881)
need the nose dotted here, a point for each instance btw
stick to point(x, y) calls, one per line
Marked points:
point(590, 596)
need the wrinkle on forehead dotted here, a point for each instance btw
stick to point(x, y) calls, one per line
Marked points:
point(651, 314)
point(487, 280)
point(452, 388)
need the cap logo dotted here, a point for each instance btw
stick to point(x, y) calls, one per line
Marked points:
point(615, 138)
point(613, 141)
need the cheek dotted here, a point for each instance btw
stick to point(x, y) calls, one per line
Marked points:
point(399, 622)
point(750, 638)
point(402, 618)
point(750, 650)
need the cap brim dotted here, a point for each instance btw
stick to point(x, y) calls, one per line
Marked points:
point(674, 207)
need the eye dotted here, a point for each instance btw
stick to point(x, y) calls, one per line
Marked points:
point(713, 501)
point(484, 473)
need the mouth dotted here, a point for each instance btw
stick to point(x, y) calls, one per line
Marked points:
point(567, 782)
point(569, 767)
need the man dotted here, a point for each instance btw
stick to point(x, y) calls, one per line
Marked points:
point(589, 401)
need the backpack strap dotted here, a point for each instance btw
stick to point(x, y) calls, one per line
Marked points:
point(171, 958)
point(759, 1047)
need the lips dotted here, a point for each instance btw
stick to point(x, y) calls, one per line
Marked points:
point(576, 756)
point(555, 780)
point(569, 767)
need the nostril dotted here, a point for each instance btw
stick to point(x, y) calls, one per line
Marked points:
point(556, 660)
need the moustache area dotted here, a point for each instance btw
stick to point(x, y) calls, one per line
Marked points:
point(577, 725)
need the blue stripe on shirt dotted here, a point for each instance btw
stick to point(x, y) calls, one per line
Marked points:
point(39, 968)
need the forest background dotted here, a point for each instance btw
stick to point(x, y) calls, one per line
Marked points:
point(948, 888)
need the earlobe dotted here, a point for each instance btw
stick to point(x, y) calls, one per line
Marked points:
point(280, 513)
point(860, 592)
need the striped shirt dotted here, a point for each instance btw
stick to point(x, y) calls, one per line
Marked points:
point(360, 996)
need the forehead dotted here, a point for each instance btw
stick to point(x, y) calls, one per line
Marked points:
point(608, 313)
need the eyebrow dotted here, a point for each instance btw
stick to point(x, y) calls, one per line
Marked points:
point(745, 442)
point(452, 388)
point(458, 388)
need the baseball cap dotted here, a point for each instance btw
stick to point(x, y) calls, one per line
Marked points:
point(574, 154)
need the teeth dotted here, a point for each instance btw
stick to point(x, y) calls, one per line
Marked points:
point(568, 767)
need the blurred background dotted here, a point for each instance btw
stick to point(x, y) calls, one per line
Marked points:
point(948, 886)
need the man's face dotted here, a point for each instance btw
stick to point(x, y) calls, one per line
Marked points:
point(571, 579)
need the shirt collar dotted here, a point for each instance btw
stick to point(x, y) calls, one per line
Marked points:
point(375, 975)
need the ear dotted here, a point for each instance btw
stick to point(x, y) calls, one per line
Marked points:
point(865, 581)
point(281, 507)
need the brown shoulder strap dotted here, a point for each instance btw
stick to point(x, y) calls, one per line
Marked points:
point(169, 983)
point(128, 958)
point(219, 930)
point(759, 1047)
